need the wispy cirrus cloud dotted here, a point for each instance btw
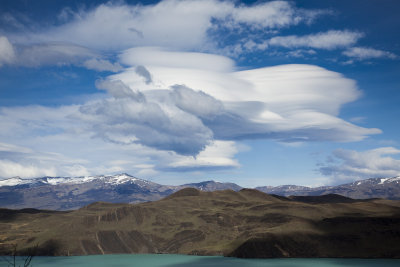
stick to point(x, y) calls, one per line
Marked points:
point(364, 53)
point(298, 45)
point(329, 40)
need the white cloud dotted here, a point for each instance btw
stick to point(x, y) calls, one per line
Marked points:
point(11, 169)
point(217, 155)
point(102, 65)
point(76, 170)
point(251, 45)
point(274, 14)
point(58, 54)
point(324, 40)
point(11, 22)
point(299, 53)
point(363, 53)
point(349, 165)
point(7, 53)
point(37, 120)
point(191, 24)
point(153, 56)
point(119, 90)
point(13, 148)
point(359, 119)
point(17, 160)
point(45, 54)
point(26, 162)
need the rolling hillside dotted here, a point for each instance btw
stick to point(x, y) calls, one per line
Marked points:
point(247, 223)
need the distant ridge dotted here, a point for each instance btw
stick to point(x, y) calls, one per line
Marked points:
point(388, 188)
point(67, 193)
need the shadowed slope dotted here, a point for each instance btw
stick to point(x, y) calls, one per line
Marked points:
point(329, 198)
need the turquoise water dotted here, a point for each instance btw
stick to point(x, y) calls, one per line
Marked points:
point(158, 260)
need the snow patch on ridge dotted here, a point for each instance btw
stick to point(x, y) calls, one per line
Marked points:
point(14, 181)
point(108, 179)
point(390, 180)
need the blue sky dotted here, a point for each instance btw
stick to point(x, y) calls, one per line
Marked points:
point(251, 92)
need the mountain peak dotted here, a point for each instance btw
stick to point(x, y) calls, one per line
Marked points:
point(121, 178)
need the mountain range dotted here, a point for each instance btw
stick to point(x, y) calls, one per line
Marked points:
point(67, 193)
point(247, 223)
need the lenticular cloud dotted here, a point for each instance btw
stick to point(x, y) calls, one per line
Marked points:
point(185, 106)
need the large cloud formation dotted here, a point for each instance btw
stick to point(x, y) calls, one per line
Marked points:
point(175, 102)
point(186, 104)
point(176, 114)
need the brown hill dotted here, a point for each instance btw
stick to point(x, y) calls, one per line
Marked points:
point(247, 223)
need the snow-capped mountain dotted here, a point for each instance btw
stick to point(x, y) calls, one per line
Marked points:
point(377, 181)
point(370, 188)
point(74, 192)
point(110, 179)
point(63, 193)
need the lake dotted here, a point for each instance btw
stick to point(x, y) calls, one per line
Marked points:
point(163, 260)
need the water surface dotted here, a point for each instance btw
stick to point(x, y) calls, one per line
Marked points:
point(159, 260)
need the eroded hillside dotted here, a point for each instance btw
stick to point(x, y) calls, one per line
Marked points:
point(247, 223)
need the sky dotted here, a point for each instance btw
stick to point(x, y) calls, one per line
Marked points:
point(257, 93)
